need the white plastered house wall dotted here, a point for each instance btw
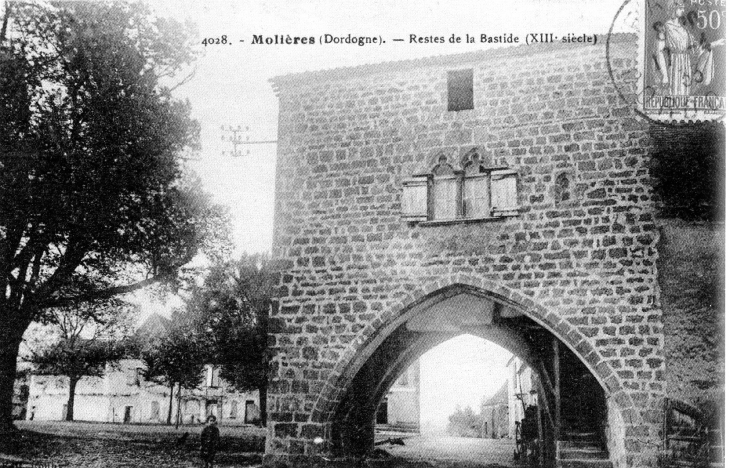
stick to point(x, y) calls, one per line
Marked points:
point(122, 395)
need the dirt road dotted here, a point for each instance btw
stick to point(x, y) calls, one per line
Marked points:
point(443, 451)
point(100, 445)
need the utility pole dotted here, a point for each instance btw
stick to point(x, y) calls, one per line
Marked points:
point(239, 136)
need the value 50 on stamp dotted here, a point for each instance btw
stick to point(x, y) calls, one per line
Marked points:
point(682, 59)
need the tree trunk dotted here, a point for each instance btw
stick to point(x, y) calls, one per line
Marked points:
point(262, 404)
point(179, 396)
point(169, 408)
point(6, 17)
point(71, 398)
point(11, 334)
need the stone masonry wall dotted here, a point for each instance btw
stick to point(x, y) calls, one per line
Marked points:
point(347, 140)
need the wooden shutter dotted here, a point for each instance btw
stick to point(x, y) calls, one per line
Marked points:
point(414, 202)
point(209, 376)
point(476, 197)
point(504, 193)
point(216, 377)
point(132, 376)
point(445, 198)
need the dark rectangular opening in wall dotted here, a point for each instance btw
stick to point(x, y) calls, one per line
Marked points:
point(461, 90)
point(381, 416)
point(251, 412)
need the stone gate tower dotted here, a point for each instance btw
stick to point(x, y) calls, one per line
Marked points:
point(503, 193)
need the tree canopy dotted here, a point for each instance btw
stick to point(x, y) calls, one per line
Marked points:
point(231, 309)
point(176, 358)
point(90, 337)
point(94, 200)
point(76, 358)
point(464, 422)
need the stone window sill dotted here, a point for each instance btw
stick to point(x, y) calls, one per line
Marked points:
point(441, 222)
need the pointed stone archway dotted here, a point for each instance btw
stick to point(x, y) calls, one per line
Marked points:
point(343, 415)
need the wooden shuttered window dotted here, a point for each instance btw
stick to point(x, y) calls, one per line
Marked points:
point(445, 198)
point(504, 193)
point(476, 197)
point(133, 376)
point(155, 410)
point(456, 195)
point(415, 199)
point(212, 376)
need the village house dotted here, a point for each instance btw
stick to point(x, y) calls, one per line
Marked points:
point(494, 414)
point(521, 392)
point(123, 395)
point(400, 409)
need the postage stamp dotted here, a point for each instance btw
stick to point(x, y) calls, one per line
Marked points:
point(682, 59)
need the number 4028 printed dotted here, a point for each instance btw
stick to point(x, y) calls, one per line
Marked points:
point(220, 40)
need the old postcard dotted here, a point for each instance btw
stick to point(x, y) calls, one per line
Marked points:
point(354, 234)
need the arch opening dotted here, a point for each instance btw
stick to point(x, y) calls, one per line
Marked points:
point(570, 401)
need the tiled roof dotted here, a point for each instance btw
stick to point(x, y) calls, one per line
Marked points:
point(499, 397)
point(154, 325)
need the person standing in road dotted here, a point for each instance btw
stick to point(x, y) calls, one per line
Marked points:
point(209, 441)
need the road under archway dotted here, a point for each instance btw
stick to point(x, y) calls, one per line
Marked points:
point(435, 451)
point(571, 419)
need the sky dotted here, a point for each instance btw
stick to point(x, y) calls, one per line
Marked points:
point(231, 88)
point(475, 368)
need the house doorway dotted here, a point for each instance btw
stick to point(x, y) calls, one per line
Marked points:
point(155, 411)
point(212, 409)
point(252, 412)
point(127, 414)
